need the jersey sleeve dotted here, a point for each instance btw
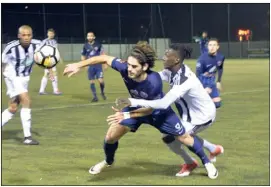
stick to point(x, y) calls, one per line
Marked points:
point(157, 87)
point(176, 92)
point(84, 51)
point(199, 66)
point(220, 69)
point(119, 66)
point(6, 55)
point(165, 76)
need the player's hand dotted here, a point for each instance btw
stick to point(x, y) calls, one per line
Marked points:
point(218, 86)
point(115, 118)
point(122, 102)
point(71, 69)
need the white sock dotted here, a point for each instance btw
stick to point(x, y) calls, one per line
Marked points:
point(43, 83)
point(54, 83)
point(176, 147)
point(208, 145)
point(6, 116)
point(26, 121)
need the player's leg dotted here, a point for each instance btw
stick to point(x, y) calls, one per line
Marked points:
point(91, 78)
point(11, 110)
point(214, 149)
point(101, 81)
point(172, 125)
point(216, 97)
point(55, 82)
point(113, 135)
point(13, 103)
point(44, 81)
point(20, 85)
point(176, 146)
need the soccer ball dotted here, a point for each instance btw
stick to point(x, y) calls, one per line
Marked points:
point(47, 56)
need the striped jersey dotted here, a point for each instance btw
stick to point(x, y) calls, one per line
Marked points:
point(191, 99)
point(19, 60)
point(48, 41)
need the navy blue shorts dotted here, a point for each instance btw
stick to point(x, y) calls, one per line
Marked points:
point(215, 92)
point(95, 72)
point(166, 122)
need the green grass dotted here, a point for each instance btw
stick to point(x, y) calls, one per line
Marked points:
point(71, 135)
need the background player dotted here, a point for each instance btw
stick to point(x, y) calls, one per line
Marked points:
point(50, 41)
point(17, 61)
point(207, 66)
point(203, 41)
point(90, 49)
point(194, 105)
point(142, 83)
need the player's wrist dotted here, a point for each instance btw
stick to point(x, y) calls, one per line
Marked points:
point(126, 115)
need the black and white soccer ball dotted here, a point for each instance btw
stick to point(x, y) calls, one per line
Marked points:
point(47, 56)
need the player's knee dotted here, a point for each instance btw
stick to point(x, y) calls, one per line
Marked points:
point(209, 90)
point(168, 139)
point(25, 100)
point(110, 139)
point(92, 82)
point(13, 108)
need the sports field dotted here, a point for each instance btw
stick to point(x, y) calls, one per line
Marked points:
point(71, 131)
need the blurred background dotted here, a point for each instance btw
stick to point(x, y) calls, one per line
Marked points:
point(243, 29)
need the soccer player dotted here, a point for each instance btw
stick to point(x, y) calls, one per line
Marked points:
point(50, 41)
point(142, 82)
point(207, 66)
point(203, 41)
point(17, 62)
point(194, 105)
point(90, 49)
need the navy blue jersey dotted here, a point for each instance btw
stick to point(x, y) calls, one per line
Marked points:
point(150, 89)
point(207, 67)
point(91, 50)
point(203, 42)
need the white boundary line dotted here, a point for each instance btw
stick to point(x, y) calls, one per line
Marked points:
point(101, 104)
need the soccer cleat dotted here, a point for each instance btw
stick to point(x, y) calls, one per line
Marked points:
point(98, 168)
point(30, 141)
point(57, 93)
point(211, 170)
point(95, 99)
point(218, 150)
point(43, 93)
point(187, 169)
point(103, 96)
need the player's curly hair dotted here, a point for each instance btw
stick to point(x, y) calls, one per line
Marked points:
point(184, 51)
point(144, 53)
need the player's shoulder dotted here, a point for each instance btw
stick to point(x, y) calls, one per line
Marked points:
point(203, 56)
point(11, 45)
point(220, 55)
point(35, 41)
point(154, 76)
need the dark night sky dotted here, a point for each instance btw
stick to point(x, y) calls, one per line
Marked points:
point(67, 20)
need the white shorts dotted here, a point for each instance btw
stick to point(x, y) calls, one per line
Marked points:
point(17, 85)
point(46, 71)
point(195, 129)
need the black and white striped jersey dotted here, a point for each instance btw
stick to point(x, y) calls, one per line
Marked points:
point(19, 60)
point(192, 101)
point(48, 41)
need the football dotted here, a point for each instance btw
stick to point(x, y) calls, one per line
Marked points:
point(47, 56)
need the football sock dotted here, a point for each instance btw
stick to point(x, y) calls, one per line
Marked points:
point(26, 121)
point(208, 145)
point(54, 84)
point(93, 89)
point(43, 84)
point(197, 148)
point(6, 116)
point(109, 150)
point(102, 87)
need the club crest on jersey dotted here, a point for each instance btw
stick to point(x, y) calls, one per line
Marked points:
point(219, 63)
point(143, 95)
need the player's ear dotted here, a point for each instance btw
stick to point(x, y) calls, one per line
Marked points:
point(145, 67)
point(177, 60)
